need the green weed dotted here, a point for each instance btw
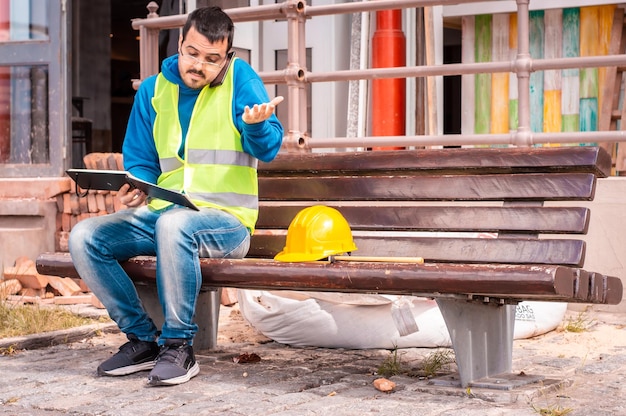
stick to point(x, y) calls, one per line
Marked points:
point(391, 366)
point(578, 324)
point(436, 362)
point(552, 410)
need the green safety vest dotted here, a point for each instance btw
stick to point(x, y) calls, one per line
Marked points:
point(215, 171)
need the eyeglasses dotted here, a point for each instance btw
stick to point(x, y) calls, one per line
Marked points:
point(195, 60)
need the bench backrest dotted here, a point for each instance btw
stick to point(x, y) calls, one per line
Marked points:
point(437, 203)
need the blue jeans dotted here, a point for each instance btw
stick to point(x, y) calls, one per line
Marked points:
point(178, 237)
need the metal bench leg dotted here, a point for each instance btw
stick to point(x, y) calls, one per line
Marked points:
point(207, 313)
point(482, 338)
point(207, 317)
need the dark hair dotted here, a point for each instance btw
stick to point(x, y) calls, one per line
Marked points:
point(212, 23)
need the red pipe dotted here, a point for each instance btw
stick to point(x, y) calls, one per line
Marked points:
point(388, 95)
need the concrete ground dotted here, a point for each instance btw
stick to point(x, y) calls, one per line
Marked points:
point(585, 374)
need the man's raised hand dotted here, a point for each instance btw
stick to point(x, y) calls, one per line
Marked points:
point(260, 112)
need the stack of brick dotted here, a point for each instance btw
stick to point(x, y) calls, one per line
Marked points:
point(79, 204)
point(22, 283)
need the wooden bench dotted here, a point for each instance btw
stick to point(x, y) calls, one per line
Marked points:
point(432, 204)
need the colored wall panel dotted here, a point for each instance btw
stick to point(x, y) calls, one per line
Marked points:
point(482, 53)
point(570, 81)
point(605, 25)
point(571, 122)
point(570, 101)
point(560, 100)
point(552, 78)
point(537, 39)
point(589, 18)
point(571, 34)
point(588, 47)
point(513, 91)
point(588, 114)
point(500, 81)
point(552, 111)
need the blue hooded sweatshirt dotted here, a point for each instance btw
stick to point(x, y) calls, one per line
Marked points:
point(261, 140)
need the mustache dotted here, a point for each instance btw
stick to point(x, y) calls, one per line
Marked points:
point(200, 73)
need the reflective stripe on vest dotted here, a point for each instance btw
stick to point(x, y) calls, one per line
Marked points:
point(215, 172)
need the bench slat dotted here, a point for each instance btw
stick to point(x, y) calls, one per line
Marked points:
point(553, 187)
point(527, 220)
point(544, 282)
point(488, 160)
point(453, 250)
point(506, 281)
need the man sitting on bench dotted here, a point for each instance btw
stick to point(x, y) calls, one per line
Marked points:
point(197, 127)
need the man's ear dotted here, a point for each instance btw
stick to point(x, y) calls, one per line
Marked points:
point(219, 79)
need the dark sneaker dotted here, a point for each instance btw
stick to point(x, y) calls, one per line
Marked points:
point(175, 364)
point(132, 357)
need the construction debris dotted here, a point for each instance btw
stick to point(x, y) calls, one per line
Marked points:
point(229, 296)
point(10, 287)
point(21, 284)
point(79, 204)
point(384, 385)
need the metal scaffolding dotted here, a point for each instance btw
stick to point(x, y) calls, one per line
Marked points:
point(296, 76)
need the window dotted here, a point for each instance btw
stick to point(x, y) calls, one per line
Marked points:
point(33, 89)
point(24, 114)
point(23, 20)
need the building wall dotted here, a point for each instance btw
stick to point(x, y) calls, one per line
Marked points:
point(606, 238)
point(28, 216)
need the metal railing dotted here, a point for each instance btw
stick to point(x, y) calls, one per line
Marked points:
point(296, 76)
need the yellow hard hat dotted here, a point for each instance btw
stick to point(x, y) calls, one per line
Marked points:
point(315, 233)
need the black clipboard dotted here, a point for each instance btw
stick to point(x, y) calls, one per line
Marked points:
point(112, 180)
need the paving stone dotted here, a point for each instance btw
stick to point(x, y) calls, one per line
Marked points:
point(584, 373)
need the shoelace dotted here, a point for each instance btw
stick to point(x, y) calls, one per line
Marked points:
point(171, 353)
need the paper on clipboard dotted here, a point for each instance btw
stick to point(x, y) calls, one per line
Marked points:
point(112, 180)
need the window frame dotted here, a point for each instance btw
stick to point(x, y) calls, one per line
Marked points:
point(52, 53)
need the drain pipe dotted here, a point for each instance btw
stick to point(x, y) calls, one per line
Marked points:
point(388, 95)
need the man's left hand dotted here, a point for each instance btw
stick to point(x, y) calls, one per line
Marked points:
point(260, 112)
